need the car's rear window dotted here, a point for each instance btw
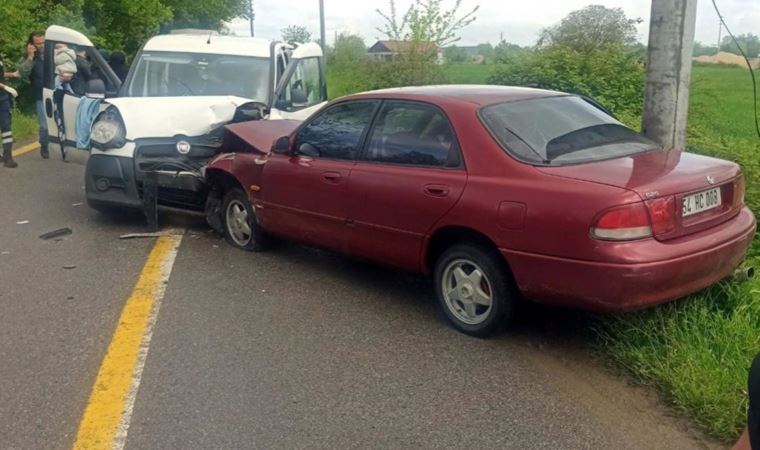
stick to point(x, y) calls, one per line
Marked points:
point(561, 130)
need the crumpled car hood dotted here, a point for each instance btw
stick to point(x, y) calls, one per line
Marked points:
point(158, 117)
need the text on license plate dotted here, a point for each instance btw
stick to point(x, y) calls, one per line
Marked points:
point(701, 201)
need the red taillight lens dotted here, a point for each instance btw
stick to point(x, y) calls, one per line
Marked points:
point(739, 192)
point(625, 223)
point(663, 213)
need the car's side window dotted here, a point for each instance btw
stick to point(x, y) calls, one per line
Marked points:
point(336, 133)
point(413, 134)
point(304, 88)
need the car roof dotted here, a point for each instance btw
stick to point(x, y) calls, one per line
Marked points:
point(477, 94)
point(210, 44)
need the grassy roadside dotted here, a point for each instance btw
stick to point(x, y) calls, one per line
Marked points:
point(695, 351)
point(24, 126)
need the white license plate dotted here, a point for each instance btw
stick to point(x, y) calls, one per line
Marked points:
point(700, 202)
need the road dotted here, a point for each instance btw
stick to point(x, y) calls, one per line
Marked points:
point(292, 348)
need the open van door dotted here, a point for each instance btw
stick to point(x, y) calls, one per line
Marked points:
point(302, 89)
point(61, 107)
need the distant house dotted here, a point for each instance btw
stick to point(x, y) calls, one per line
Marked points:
point(387, 50)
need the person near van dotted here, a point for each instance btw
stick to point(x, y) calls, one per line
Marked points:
point(750, 439)
point(6, 132)
point(33, 68)
point(83, 72)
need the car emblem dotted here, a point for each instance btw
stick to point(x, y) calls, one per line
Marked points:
point(183, 147)
point(710, 179)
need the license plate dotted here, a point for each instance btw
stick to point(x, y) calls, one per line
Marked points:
point(700, 202)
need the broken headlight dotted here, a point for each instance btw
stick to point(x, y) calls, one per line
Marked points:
point(107, 133)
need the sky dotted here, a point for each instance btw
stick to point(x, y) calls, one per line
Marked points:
point(520, 21)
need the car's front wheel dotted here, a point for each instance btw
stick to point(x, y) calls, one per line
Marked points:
point(241, 229)
point(474, 289)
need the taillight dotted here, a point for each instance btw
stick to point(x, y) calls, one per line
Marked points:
point(624, 223)
point(663, 214)
point(739, 192)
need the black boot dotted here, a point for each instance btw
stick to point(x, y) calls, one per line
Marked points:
point(44, 152)
point(8, 151)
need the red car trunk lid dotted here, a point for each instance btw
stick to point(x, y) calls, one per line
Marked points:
point(665, 173)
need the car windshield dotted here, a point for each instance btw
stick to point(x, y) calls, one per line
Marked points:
point(561, 130)
point(166, 74)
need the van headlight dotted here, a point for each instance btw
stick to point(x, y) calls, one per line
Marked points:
point(107, 133)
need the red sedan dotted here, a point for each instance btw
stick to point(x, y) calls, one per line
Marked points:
point(501, 193)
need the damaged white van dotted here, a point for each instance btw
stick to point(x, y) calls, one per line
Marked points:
point(166, 119)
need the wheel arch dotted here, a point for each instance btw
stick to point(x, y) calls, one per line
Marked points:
point(220, 182)
point(447, 236)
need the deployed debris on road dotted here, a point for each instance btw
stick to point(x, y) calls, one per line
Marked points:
point(56, 233)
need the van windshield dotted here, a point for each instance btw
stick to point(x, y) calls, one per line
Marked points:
point(561, 130)
point(167, 74)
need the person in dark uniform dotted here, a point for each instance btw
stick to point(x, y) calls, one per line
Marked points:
point(6, 102)
point(750, 439)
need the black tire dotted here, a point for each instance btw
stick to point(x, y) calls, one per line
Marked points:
point(254, 242)
point(503, 299)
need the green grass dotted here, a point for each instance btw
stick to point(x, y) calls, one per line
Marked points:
point(697, 351)
point(24, 126)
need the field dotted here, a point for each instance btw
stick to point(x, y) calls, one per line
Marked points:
point(696, 351)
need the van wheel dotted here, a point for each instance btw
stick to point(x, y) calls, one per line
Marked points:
point(241, 229)
point(474, 290)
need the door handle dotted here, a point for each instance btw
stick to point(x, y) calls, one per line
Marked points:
point(331, 177)
point(437, 190)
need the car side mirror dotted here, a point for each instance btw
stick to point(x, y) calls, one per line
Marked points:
point(298, 97)
point(307, 149)
point(282, 146)
point(96, 88)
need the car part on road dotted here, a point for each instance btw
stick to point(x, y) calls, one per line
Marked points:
point(473, 290)
point(744, 274)
point(173, 232)
point(56, 233)
point(241, 229)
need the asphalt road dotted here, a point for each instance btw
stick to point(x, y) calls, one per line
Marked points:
point(293, 348)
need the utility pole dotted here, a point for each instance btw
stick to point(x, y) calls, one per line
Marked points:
point(720, 34)
point(666, 98)
point(251, 15)
point(322, 25)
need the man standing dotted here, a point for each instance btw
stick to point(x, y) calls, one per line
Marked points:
point(33, 68)
point(6, 132)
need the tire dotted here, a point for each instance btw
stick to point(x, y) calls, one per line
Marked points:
point(241, 228)
point(464, 296)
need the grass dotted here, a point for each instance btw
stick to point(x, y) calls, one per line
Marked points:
point(468, 73)
point(24, 126)
point(697, 351)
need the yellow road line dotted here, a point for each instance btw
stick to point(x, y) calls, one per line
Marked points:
point(106, 418)
point(26, 149)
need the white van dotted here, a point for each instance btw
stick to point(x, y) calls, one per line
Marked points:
point(167, 116)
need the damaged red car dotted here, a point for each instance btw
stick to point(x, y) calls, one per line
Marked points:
point(500, 193)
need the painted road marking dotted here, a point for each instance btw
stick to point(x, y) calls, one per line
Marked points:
point(106, 418)
point(26, 149)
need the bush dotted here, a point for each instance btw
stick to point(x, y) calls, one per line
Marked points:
point(613, 76)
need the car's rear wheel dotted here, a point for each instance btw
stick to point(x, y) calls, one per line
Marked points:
point(241, 229)
point(474, 289)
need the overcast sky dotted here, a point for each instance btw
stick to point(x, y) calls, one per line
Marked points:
point(519, 20)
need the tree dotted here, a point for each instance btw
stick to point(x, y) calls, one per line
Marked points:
point(486, 51)
point(701, 49)
point(426, 21)
point(506, 53)
point(348, 50)
point(749, 42)
point(296, 34)
point(592, 28)
point(455, 54)
point(205, 14)
point(125, 26)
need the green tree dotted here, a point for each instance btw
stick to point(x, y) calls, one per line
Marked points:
point(486, 51)
point(205, 14)
point(125, 25)
point(455, 54)
point(506, 53)
point(701, 49)
point(426, 21)
point(592, 28)
point(749, 42)
point(296, 34)
point(348, 50)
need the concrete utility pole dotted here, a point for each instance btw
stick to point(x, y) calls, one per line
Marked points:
point(251, 15)
point(322, 25)
point(671, 44)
